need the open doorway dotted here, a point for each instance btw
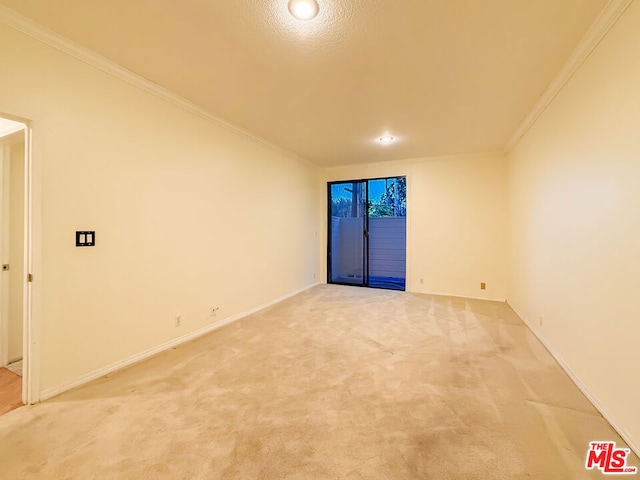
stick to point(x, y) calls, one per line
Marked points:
point(13, 255)
point(367, 233)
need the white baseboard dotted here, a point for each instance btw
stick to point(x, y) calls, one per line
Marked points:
point(408, 290)
point(101, 372)
point(490, 299)
point(626, 436)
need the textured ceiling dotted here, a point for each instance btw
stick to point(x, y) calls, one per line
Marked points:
point(443, 76)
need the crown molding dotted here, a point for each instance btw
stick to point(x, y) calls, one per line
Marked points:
point(600, 27)
point(27, 26)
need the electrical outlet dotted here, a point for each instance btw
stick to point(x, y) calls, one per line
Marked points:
point(422, 281)
point(540, 320)
point(314, 275)
point(212, 310)
point(483, 286)
point(178, 321)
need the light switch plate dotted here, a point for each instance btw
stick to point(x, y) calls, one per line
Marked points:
point(85, 238)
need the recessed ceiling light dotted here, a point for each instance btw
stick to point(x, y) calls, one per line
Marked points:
point(304, 9)
point(386, 139)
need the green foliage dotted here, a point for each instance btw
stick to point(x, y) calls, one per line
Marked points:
point(377, 210)
point(341, 207)
point(393, 202)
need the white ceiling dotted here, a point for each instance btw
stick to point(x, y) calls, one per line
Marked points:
point(443, 76)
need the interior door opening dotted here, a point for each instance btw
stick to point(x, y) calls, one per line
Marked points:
point(367, 233)
point(14, 223)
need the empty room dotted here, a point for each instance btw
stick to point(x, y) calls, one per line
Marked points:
point(319, 239)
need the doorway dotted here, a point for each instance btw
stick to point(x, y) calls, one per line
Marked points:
point(367, 233)
point(14, 292)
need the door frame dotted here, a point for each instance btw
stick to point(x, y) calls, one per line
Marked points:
point(29, 379)
point(366, 236)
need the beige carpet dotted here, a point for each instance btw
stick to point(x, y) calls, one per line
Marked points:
point(336, 383)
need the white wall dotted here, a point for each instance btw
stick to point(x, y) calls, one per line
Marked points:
point(456, 221)
point(187, 213)
point(16, 251)
point(575, 228)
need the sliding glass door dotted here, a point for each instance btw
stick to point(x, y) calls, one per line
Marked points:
point(347, 230)
point(367, 233)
